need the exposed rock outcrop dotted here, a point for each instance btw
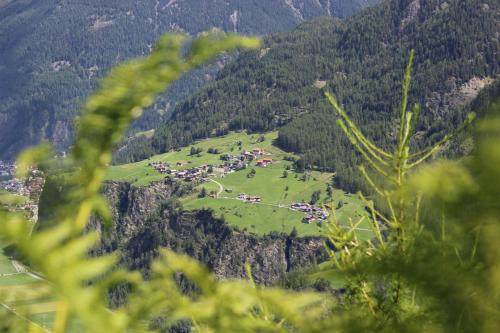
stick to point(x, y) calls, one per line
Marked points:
point(146, 219)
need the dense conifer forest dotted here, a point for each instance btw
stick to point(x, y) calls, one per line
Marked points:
point(53, 52)
point(359, 60)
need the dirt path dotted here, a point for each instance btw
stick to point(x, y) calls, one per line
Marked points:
point(221, 188)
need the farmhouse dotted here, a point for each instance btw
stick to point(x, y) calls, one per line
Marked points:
point(308, 219)
point(264, 162)
point(181, 174)
point(313, 213)
point(258, 151)
point(301, 206)
point(253, 199)
point(248, 155)
point(249, 198)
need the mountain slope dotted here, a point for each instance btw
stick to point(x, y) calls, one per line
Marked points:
point(51, 52)
point(361, 60)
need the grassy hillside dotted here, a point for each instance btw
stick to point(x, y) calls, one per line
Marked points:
point(276, 191)
point(140, 173)
point(361, 60)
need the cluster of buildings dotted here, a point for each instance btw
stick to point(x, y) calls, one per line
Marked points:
point(7, 179)
point(245, 156)
point(231, 166)
point(249, 198)
point(234, 163)
point(312, 213)
point(7, 170)
point(161, 167)
point(14, 185)
point(30, 188)
point(199, 173)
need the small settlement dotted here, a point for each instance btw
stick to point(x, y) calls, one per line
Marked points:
point(161, 167)
point(234, 163)
point(198, 173)
point(6, 170)
point(312, 213)
point(231, 163)
point(30, 188)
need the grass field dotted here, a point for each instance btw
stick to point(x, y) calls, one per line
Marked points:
point(16, 279)
point(327, 272)
point(12, 198)
point(5, 264)
point(31, 298)
point(141, 174)
point(276, 193)
point(269, 183)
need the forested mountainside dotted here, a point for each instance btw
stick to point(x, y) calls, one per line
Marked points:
point(361, 60)
point(52, 52)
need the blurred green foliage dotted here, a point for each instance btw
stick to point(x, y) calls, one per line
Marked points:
point(434, 266)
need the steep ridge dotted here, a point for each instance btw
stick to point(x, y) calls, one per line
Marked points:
point(361, 60)
point(52, 52)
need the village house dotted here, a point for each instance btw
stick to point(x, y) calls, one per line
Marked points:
point(248, 155)
point(301, 206)
point(232, 166)
point(308, 219)
point(181, 174)
point(7, 169)
point(253, 199)
point(313, 213)
point(249, 198)
point(258, 152)
point(264, 162)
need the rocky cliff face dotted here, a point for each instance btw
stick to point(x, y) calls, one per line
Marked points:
point(147, 219)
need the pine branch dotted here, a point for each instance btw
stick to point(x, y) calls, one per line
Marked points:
point(370, 146)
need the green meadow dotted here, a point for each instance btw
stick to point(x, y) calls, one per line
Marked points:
point(140, 174)
point(270, 183)
point(277, 193)
point(29, 297)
